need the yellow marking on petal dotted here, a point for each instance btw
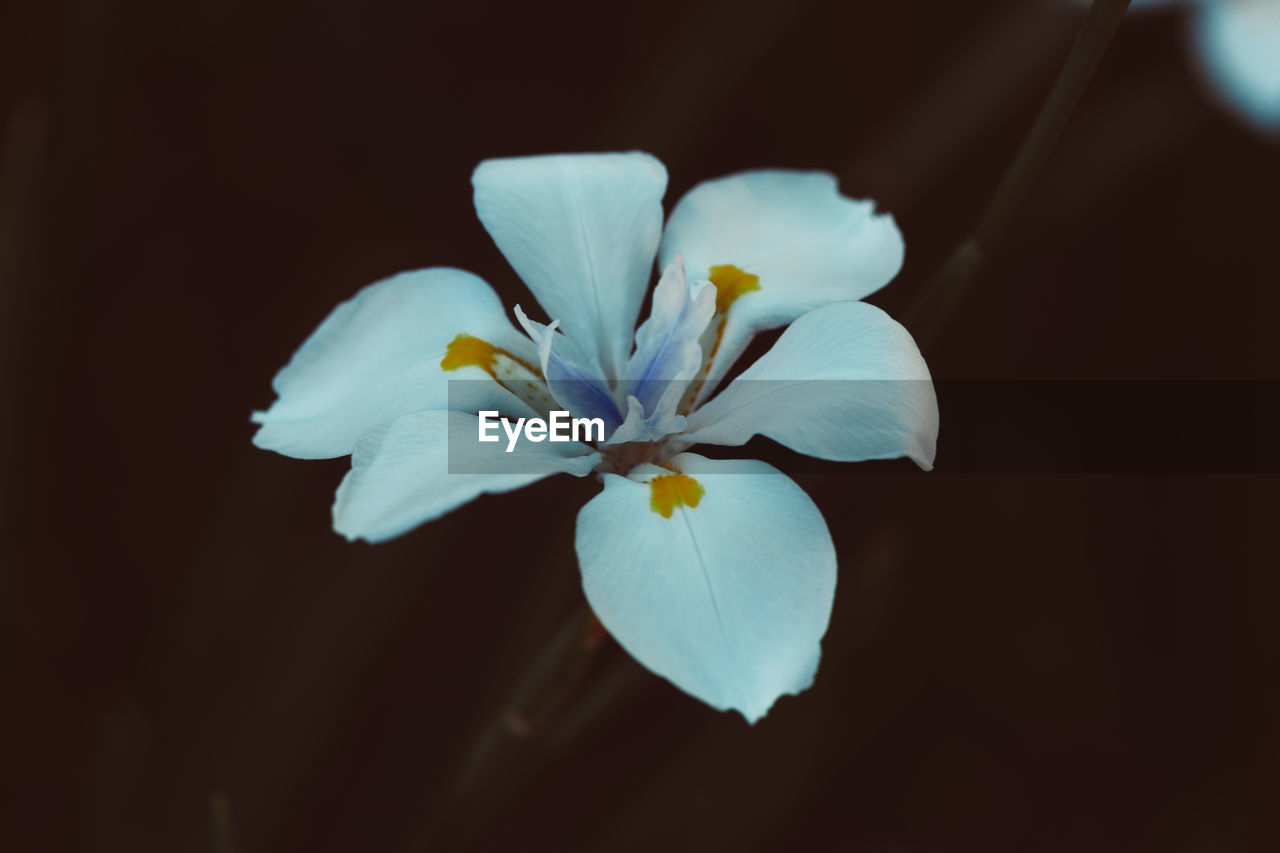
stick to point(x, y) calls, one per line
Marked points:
point(511, 372)
point(668, 491)
point(731, 283)
point(467, 351)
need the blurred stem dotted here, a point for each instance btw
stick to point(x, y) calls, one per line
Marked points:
point(1004, 61)
point(926, 314)
point(539, 695)
point(565, 688)
point(220, 823)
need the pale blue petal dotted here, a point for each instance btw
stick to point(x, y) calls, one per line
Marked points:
point(570, 378)
point(1239, 47)
point(808, 244)
point(667, 354)
point(377, 356)
point(728, 599)
point(422, 465)
point(582, 231)
point(843, 382)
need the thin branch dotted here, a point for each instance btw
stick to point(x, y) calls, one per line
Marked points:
point(926, 314)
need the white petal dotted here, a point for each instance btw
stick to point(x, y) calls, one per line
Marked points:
point(377, 356)
point(1239, 46)
point(422, 465)
point(582, 231)
point(808, 245)
point(728, 599)
point(844, 382)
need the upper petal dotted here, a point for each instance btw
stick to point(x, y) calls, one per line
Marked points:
point(844, 382)
point(804, 243)
point(422, 465)
point(1239, 46)
point(582, 231)
point(720, 578)
point(378, 355)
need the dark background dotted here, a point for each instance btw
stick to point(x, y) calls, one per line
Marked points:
point(1015, 662)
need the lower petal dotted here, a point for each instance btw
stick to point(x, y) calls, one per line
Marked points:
point(420, 466)
point(719, 577)
point(845, 382)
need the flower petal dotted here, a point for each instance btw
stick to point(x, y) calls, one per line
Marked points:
point(720, 579)
point(422, 465)
point(803, 242)
point(844, 382)
point(582, 231)
point(378, 355)
point(570, 378)
point(667, 356)
point(1239, 47)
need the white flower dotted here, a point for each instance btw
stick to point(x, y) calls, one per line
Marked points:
point(1237, 43)
point(718, 575)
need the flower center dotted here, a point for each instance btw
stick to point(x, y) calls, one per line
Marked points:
point(621, 458)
